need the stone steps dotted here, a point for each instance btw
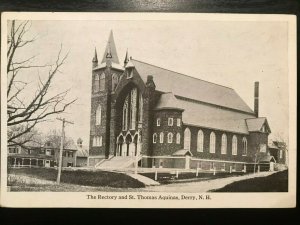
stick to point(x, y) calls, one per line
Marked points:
point(117, 162)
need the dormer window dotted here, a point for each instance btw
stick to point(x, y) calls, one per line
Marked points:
point(263, 129)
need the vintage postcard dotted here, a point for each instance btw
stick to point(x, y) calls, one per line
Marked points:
point(148, 110)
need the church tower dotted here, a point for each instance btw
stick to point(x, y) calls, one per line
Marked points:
point(105, 76)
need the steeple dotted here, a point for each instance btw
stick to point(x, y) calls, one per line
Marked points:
point(95, 59)
point(126, 58)
point(110, 53)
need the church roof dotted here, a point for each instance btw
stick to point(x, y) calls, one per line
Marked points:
point(255, 124)
point(182, 152)
point(190, 87)
point(110, 50)
point(267, 158)
point(209, 116)
point(168, 101)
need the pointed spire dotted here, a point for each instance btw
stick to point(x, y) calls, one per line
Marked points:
point(95, 59)
point(126, 58)
point(110, 51)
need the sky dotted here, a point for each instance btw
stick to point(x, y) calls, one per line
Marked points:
point(229, 53)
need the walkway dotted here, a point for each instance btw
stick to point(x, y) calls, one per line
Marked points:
point(203, 186)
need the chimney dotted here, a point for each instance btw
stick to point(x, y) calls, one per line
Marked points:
point(256, 98)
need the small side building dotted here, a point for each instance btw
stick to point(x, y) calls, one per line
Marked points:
point(278, 150)
point(82, 154)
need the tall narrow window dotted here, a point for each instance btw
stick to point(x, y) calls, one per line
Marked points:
point(98, 115)
point(96, 83)
point(178, 138)
point(212, 143)
point(133, 108)
point(224, 144)
point(141, 103)
point(114, 81)
point(170, 138)
point(100, 141)
point(170, 121)
point(102, 82)
point(94, 141)
point(187, 139)
point(200, 138)
point(234, 145)
point(125, 114)
point(280, 154)
point(178, 122)
point(154, 138)
point(244, 146)
point(129, 73)
point(161, 137)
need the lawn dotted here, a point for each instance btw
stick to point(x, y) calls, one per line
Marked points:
point(277, 182)
point(95, 178)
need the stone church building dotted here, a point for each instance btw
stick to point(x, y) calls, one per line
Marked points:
point(161, 117)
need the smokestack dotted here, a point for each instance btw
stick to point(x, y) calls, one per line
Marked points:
point(256, 98)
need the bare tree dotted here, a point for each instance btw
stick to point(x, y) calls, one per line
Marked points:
point(25, 113)
point(54, 137)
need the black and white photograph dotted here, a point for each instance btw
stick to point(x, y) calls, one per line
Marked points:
point(148, 110)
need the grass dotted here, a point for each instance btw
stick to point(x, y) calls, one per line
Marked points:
point(277, 182)
point(79, 177)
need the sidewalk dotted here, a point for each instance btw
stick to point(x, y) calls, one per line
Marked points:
point(203, 186)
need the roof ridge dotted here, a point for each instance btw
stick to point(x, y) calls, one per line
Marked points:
point(256, 118)
point(183, 74)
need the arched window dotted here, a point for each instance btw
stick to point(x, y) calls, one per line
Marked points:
point(234, 145)
point(161, 137)
point(133, 111)
point(102, 82)
point(178, 138)
point(212, 143)
point(170, 138)
point(114, 81)
point(244, 146)
point(96, 83)
point(187, 139)
point(94, 141)
point(154, 138)
point(100, 141)
point(141, 103)
point(200, 139)
point(125, 114)
point(98, 115)
point(224, 144)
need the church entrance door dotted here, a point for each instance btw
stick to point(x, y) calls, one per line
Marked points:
point(131, 149)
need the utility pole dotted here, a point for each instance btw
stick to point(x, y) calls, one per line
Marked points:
point(61, 147)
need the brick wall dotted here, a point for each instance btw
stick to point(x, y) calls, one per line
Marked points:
point(166, 148)
point(257, 138)
point(103, 98)
point(217, 155)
